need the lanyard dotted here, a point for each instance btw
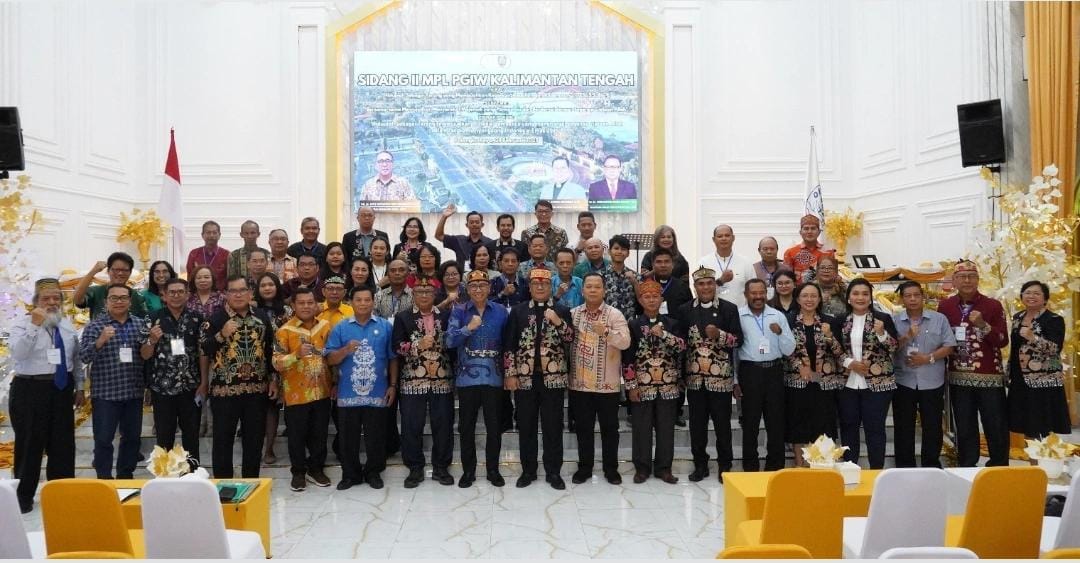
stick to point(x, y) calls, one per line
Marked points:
point(209, 261)
point(663, 288)
point(724, 266)
point(760, 322)
point(965, 310)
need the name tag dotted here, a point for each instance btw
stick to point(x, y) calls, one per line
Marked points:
point(125, 355)
point(53, 354)
point(770, 292)
point(763, 348)
point(663, 308)
point(177, 345)
point(960, 333)
point(912, 350)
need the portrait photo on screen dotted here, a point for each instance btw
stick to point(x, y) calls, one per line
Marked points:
point(495, 131)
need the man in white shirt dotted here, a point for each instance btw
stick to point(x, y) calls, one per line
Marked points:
point(732, 270)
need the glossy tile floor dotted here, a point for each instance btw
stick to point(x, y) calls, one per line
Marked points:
point(594, 519)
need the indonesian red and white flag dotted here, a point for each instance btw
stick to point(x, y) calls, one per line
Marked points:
point(169, 207)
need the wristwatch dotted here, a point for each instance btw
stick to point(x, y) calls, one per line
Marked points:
point(932, 358)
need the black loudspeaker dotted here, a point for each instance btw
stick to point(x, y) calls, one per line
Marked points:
point(11, 143)
point(982, 139)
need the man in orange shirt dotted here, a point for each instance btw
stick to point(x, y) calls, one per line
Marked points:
point(308, 388)
point(803, 258)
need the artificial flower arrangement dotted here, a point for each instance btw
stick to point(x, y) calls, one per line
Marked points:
point(144, 228)
point(840, 227)
point(174, 463)
point(823, 453)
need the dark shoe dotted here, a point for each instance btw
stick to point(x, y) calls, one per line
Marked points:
point(269, 458)
point(556, 482)
point(318, 477)
point(345, 484)
point(571, 426)
point(442, 477)
point(26, 508)
point(495, 478)
point(668, 478)
point(525, 480)
point(580, 477)
point(680, 422)
point(640, 477)
point(613, 478)
point(700, 472)
point(298, 482)
point(126, 476)
point(414, 478)
point(720, 477)
point(466, 480)
point(375, 481)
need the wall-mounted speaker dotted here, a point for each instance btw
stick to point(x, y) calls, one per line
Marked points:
point(982, 138)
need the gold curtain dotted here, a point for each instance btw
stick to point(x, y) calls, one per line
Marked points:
point(1053, 35)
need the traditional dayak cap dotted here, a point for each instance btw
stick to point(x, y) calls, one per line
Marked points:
point(809, 219)
point(423, 282)
point(334, 279)
point(540, 273)
point(703, 273)
point(966, 265)
point(649, 287)
point(46, 283)
point(477, 275)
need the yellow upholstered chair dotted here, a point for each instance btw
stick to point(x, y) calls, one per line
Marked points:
point(1004, 514)
point(765, 551)
point(84, 515)
point(802, 507)
point(1064, 553)
point(90, 555)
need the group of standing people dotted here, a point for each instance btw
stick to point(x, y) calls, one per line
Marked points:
point(351, 332)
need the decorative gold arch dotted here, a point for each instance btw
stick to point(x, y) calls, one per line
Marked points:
point(366, 13)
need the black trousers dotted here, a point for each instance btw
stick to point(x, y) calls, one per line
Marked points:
point(43, 418)
point(367, 424)
point(708, 405)
point(656, 415)
point(588, 407)
point(930, 405)
point(177, 411)
point(542, 405)
point(506, 412)
point(249, 411)
point(866, 408)
point(470, 401)
point(414, 411)
point(762, 394)
point(969, 405)
point(107, 418)
point(392, 442)
point(308, 426)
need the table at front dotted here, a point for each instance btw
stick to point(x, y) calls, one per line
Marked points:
point(253, 514)
point(744, 497)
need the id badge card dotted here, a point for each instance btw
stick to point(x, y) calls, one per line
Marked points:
point(763, 348)
point(770, 292)
point(960, 333)
point(177, 346)
point(912, 350)
point(663, 308)
point(125, 355)
point(53, 354)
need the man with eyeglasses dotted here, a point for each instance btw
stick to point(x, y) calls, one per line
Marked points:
point(109, 345)
point(281, 263)
point(555, 236)
point(178, 379)
point(611, 187)
point(309, 241)
point(386, 186)
point(238, 345)
point(803, 257)
point(45, 390)
point(976, 374)
point(357, 243)
point(88, 296)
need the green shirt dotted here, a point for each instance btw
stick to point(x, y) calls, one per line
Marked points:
point(95, 301)
point(152, 300)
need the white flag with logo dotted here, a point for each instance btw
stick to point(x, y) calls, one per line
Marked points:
point(814, 205)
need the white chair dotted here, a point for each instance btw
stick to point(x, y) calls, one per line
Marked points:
point(917, 497)
point(15, 543)
point(929, 553)
point(1058, 533)
point(175, 511)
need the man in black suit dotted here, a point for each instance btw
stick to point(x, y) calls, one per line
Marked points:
point(358, 243)
point(675, 292)
point(611, 186)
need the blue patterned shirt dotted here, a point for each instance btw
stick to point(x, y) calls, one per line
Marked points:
point(364, 377)
point(573, 297)
point(479, 357)
point(110, 378)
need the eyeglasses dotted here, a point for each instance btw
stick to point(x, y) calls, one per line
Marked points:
point(176, 292)
point(120, 270)
point(237, 290)
point(384, 161)
point(965, 276)
point(613, 167)
point(543, 212)
point(119, 298)
point(826, 268)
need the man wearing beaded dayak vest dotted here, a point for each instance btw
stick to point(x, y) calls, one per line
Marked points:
point(976, 373)
point(538, 336)
point(427, 383)
point(713, 332)
point(653, 377)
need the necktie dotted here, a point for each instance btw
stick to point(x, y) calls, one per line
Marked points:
point(60, 380)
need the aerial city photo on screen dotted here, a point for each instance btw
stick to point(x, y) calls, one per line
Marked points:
point(495, 132)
